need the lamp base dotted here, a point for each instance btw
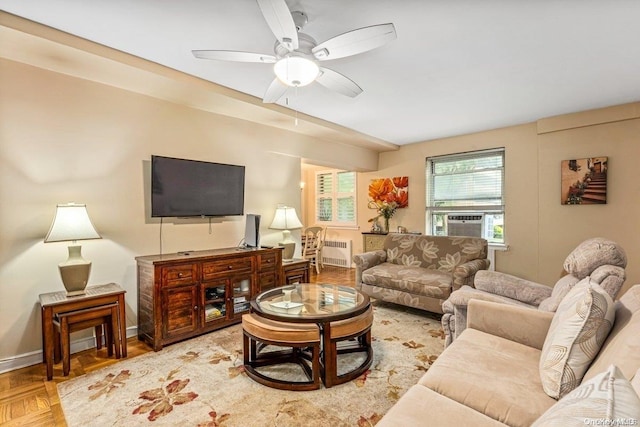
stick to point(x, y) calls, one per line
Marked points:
point(75, 277)
point(289, 249)
point(75, 272)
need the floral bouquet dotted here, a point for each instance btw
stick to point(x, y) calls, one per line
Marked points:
point(386, 195)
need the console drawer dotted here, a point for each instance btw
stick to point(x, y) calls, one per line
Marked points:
point(178, 275)
point(266, 281)
point(237, 265)
point(268, 262)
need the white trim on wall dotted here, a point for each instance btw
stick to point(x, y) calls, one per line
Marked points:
point(36, 357)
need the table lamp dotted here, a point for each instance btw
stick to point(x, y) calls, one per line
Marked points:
point(286, 219)
point(72, 223)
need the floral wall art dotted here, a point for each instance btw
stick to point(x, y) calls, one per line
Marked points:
point(584, 181)
point(385, 196)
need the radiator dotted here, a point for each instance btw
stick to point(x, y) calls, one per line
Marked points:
point(337, 252)
point(491, 256)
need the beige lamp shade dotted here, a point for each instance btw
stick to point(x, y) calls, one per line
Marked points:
point(286, 219)
point(72, 223)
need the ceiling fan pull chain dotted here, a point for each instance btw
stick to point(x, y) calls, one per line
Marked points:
point(286, 102)
point(295, 109)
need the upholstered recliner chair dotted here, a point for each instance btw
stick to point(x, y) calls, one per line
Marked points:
point(598, 260)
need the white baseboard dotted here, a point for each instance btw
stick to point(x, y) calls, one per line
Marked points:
point(35, 357)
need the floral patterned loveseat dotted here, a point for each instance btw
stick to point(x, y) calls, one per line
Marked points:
point(420, 271)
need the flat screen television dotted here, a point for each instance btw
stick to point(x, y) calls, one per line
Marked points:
point(189, 188)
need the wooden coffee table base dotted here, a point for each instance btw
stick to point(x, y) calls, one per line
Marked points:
point(339, 316)
point(341, 337)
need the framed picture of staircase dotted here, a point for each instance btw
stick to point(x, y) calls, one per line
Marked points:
point(584, 181)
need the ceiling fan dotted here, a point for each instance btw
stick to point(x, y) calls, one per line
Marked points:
point(297, 54)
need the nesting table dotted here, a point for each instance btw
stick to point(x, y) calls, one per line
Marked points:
point(95, 298)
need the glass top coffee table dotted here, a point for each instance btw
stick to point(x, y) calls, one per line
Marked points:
point(326, 305)
point(310, 303)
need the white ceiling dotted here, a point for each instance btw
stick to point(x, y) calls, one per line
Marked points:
point(457, 66)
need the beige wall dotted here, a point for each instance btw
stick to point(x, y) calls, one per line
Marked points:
point(67, 139)
point(539, 231)
point(520, 172)
point(561, 225)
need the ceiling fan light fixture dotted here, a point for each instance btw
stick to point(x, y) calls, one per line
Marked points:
point(296, 70)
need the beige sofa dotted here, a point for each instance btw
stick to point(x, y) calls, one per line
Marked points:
point(491, 374)
point(420, 271)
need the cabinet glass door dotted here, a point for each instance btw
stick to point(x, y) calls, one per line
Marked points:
point(241, 294)
point(215, 306)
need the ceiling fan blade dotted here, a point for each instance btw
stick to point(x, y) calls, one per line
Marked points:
point(279, 19)
point(231, 55)
point(274, 92)
point(338, 82)
point(354, 42)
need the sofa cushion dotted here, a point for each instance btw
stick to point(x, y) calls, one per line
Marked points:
point(422, 406)
point(610, 277)
point(414, 280)
point(462, 297)
point(438, 252)
point(491, 375)
point(511, 287)
point(593, 253)
point(578, 329)
point(396, 296)
point(605, 397)
point(560, 290)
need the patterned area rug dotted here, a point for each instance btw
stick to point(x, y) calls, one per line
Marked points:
point(201, 382)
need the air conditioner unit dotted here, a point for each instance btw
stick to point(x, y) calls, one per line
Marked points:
point(465, 225)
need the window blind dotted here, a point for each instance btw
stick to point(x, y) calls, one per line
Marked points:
point(469, 181)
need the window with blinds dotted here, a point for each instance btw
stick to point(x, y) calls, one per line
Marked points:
point(336, 198)
point(467, 183)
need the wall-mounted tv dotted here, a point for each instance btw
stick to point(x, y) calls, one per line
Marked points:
point(187, 188)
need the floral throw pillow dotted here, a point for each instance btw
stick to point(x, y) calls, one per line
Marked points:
point(607, 399)
point(578, 329)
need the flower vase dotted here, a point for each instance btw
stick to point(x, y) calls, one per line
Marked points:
point(386, 225)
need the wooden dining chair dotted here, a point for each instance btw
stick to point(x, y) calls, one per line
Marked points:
point(313, 238)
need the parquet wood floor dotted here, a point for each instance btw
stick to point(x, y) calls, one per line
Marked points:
point(27, 399)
